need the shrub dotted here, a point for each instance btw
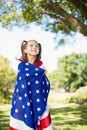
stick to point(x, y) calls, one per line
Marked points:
point(80, 96)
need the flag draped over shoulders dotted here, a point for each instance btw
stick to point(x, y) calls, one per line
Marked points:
point(29, 103)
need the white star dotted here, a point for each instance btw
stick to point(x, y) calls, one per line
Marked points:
point(47, 82)
point(20, 98)
point(23, 86)
point(25, 95)
point(43, 82)
point(16, 110)
point(38, 100)
point(37, 91)
point(26, 69)
point(43, 91)
point(38, 117)
point(28, 83)
point(29, 92)
point(25, 115)
point(36, 74)
point(27, 64)
point(36, 69)
point(47, 91)
point(44, 99)
point(23, 106)
point(16, 82)
point(28, 103)
point(38, 109)
point(20, 78)
point(27, 74)
point(17, 90)
point(37, 82)
point(31, 113)
point(14, 102)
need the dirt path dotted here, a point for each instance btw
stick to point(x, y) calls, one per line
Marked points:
point(59, 99)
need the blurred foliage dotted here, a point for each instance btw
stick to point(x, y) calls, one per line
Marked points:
point(71, 72)
point(7, 79)
point(80, 96)
point(53, 15)
point(53, 77)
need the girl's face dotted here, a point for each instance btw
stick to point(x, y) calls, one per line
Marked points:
point(32, 48)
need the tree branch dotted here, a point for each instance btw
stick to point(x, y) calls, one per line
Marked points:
point(68, 19)
point(82, 6)
point(58, 18)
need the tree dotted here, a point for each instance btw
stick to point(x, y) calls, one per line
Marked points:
point(54, 15)
point(53, 78)
point(7, 77)
point(72, 71)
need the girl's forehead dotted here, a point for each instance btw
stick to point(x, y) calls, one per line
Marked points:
point(33, 42)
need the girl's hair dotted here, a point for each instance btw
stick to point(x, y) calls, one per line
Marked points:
point(24, 56)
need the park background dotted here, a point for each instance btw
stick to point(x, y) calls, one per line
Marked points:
point(67, 108)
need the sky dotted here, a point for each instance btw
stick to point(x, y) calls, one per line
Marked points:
point(10, 42)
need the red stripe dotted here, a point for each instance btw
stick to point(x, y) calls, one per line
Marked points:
point(39, 127)
point(39, 63)
point(45, 122)
point(10, 128)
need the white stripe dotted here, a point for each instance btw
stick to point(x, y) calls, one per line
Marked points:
point(45, 114)
point(19, 125)
point(50, 127)
point(42, 66)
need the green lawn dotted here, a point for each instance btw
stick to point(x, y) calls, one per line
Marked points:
point(4, 116)
point(70, 117)
point(64, 116)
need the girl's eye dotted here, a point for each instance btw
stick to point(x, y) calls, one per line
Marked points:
point(36, 46)
point(30, 45)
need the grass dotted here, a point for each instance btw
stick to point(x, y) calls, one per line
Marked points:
point(4, 116)
point(65, 116)
point(70, 117)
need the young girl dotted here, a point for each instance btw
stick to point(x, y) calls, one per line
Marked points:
point(29, 104)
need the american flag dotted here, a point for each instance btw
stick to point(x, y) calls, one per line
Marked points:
point(29, 104)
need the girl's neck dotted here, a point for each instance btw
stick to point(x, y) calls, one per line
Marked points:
point(31, 59)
